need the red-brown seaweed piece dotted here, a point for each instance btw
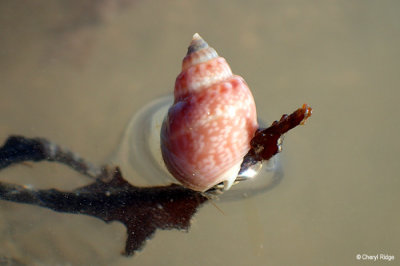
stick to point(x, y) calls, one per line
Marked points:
point(266, 142)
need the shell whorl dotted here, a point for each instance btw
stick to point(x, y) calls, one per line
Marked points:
point(198, 52)
point(201, 68)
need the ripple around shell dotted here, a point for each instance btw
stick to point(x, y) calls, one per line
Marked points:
point(139, 155)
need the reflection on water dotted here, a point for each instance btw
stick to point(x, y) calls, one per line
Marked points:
point(143, 165)
point(78, 84)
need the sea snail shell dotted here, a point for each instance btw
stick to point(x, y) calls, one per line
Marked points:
point(208, 129)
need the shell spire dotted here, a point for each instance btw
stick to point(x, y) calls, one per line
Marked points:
point(208, 129)
point(197, 43)
point(201, 68)
point(198, 51)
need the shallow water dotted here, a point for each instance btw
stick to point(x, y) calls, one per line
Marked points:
point(76, 73)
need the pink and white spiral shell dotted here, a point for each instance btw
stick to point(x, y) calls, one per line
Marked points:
point(209, 126)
